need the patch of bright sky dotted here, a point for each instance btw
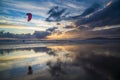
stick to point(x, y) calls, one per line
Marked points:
point(17, 31)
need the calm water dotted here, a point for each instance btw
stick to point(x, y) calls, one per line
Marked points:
point(60, 62)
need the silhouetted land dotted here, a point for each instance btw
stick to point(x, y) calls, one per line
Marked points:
point(89, 40)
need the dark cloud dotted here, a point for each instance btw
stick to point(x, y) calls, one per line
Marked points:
point(51, 29)
point(69, 26)
point(44, 34)
point(41, 34)
point(92, 1)
point(91, 9)
point(110, 15)
point(94, 7)
point(56, 13)
point(87, 33)
point(113, 32)
point(59, 13)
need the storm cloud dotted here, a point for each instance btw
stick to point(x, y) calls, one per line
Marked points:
point(110, 15)
point(91, 9)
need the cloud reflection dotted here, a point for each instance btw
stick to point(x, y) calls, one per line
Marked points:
point(86, 61)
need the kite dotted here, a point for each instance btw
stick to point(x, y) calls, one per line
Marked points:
point(29, 16)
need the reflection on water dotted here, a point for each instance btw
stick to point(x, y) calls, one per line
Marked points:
point(60, 62)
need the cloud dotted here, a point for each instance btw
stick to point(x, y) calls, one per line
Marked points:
point(35, 8)
point(93, 1)
point(77, 5)
point(112, 32)
point(108, 16)
point(69, 27)
point(105, 28)
point(91, 9)
point(44, 34)
point(56, 14)
point(75, 33)
point(51, 29)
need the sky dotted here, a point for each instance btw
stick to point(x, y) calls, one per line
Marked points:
point(71, 19)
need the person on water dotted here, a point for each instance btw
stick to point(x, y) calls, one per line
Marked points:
point(30, 71)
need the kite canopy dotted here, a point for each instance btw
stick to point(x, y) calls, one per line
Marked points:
point(29, 16)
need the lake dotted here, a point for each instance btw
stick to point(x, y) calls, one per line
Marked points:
point(88, 61)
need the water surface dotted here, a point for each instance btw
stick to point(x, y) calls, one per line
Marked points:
point(60, 62)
